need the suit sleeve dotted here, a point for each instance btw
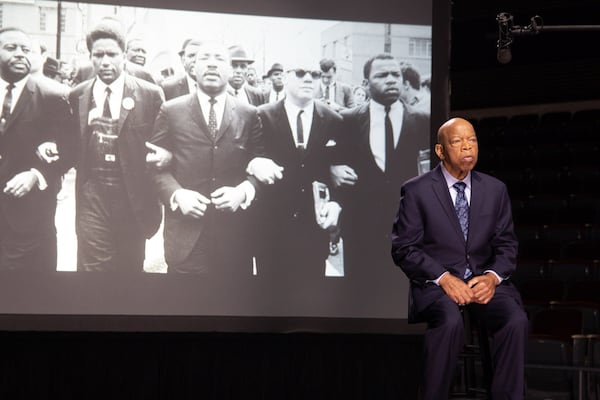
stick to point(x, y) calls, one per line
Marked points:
point(407, 240)
point(61, 127)
point(164, 180)
point(257, 145)
point(349, 101)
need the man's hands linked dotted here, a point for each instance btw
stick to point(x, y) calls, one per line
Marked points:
point(265, 170)
point(480, 289)
point(21, 184)
point(191, 203)
point(342, 175)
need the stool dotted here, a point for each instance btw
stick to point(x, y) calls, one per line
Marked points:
point(477, 348)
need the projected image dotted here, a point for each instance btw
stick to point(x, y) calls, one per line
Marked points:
point(267, 151)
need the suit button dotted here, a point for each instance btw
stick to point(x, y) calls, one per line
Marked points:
point(296, 215)
point(468, 256)
point(302, 190)
point(302, 165)
point(213, 179)
point(216, 147)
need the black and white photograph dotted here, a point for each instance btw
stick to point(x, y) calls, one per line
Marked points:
point(169, 158)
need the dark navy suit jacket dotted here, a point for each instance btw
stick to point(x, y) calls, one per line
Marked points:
point(427, 239)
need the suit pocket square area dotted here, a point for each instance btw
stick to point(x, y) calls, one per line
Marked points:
point(330, 143)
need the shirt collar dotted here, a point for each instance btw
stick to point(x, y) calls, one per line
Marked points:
point(292, 109)
point(204, 98)
point(381, 108)
point(450, 180)
point(19, 85)
point(115, 86)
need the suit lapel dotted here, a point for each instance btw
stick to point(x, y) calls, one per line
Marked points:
point(315, 133)
point(440, 188)
point(339, 94)
point(128, 92)
point(195, 111)
point(85, 103)
point(284, 130)
point(22, 103)
point(364, 126)
point(228, 116)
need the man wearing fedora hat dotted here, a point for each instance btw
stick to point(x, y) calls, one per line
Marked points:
point(275, 75)
point(238, 87)
point(186, 83)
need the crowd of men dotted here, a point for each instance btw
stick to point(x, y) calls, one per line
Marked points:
point(248, 172)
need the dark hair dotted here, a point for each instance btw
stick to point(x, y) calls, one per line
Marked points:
point(369, 62)
point(108, 28)
point(13, 29)
point(411, 75)
point(326, 64)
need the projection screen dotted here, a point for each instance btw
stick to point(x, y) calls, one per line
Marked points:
point(288, 278)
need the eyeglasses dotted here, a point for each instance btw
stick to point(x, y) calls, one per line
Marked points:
point(301, 73)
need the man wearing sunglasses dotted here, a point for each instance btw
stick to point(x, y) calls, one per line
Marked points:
point(376, 153)
point(298, 133)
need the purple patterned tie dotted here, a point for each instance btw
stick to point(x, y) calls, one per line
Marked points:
point(462, 211)
point(462, 207)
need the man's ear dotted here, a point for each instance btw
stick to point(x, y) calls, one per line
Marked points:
point(439, 150)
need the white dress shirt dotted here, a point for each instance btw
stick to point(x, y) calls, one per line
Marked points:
point(241, 93)
point(377, 128)
point(116, 95)
point(292, 111)
point(332, 87)
point(276, 96)
point(16, 92)
point(219, 106)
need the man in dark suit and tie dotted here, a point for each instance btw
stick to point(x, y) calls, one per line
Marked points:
point(33, 112)
point(335, 94)
point(453, 238)
point(238, 87)
point(181, 85)
point(206, 189)
point(377, 151)
point(298, 133)
point(117, 209)
point(275, 77)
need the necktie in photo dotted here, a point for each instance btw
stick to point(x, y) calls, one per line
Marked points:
point(327, 92)
point(6, 105)
point(300, 131)
point(389, 140)
point(212, 118)
point(462, 211)
point(106, 110)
